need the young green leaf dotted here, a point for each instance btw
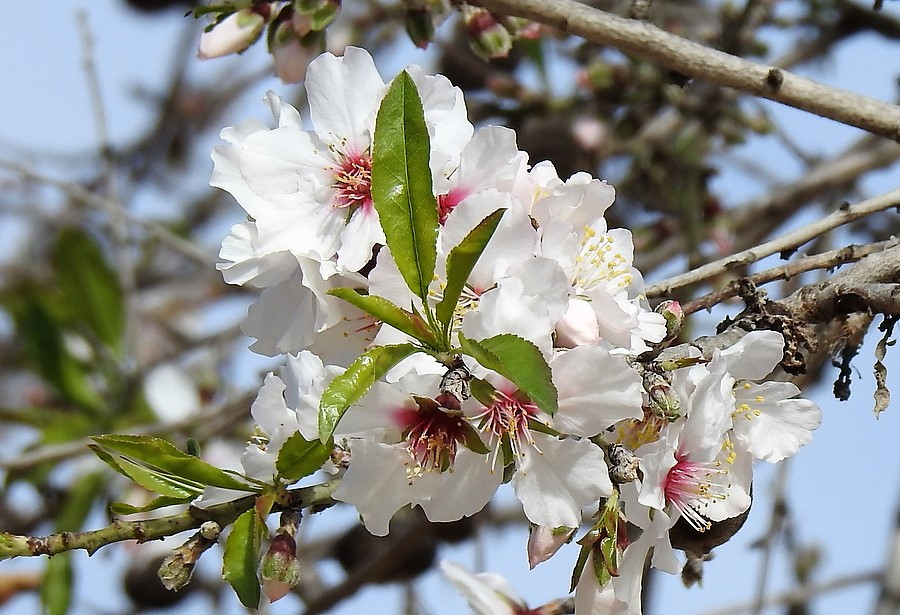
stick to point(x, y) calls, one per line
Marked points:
point(401, 184)
point(159, 482)
point(160, 454)
point(299, 457)
point(385, 311)
point(121, 508)
point(519, 361)
point(460, 263)
point(240, 561)
point(349, 387)
point(56, 586)
point(90, 287)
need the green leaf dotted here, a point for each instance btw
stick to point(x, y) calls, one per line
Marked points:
point(42, 334)
point(401, 184)
point(56, 586)
point(519, 361)
point(349, 387)
point(158, 482)
point(160, 454)
point(461, 261)
point(121, 508)
point(385, 311)
point(90, 287)
point(299, 457)
point(580, 563)
point(240, 561)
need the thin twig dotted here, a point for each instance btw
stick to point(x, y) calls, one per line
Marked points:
point(825, 260)
point(773, 532)
point(81, 195)
point(803, 594)
point(696, 60)
point(118, 223)
point(210, 420)
point(785, 243)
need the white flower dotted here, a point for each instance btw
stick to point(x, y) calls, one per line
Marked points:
point(309, 192)
point(487, 593)
point(769, 423)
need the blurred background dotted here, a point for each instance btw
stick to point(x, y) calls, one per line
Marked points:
point(113, 317)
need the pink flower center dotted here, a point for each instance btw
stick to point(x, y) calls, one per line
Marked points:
point(446, 203)
point(432, 435)
point(353, 180)
point(508, 417)
point(690, 485)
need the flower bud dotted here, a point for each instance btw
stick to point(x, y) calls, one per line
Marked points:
point(177, 569)
point(320, 12)
point(175, 572)
point(545, 541)
point(292, 43)
point(674, 315)
point(280, 569)
point(487, 37)
point(420, 27)
point(623, 464)
point(664, 401)
point(235, 33)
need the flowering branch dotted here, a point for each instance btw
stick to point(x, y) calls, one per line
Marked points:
point(696, 60)
point(12, 545)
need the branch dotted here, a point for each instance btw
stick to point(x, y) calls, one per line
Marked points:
point(825, 260)
point(695, 60)
point(12, 545)
point(801, 595)
point(86, 197)
point(785, 243)
point(759, 217)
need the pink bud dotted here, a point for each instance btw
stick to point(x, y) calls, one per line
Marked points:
point(279, 568)
point(545, 541)
point(233, 34)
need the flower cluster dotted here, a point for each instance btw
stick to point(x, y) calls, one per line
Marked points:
point(454, 318)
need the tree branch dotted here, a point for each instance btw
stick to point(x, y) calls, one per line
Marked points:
point(784, 243)
point(825, 260)
point(695, 60)
point(12, 545)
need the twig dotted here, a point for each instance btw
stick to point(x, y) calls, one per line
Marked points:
point(766, 213)
point(695, 60)
point(889, 598)
point(802, 594)
point(770, 539)
point(785, 243)
point(210, 420)
point(825, 260)
point(78, 193)
point(118, 223)
point(224, 514)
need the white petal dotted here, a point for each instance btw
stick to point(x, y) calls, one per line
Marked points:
point(467, 488)
point(483, 598)
point(555, 484)
point(595, 389)
point(783, 424)
point(344, 94)
point(755, 355)
point(376, 483)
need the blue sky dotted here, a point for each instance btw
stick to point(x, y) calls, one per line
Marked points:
point(843, 488)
